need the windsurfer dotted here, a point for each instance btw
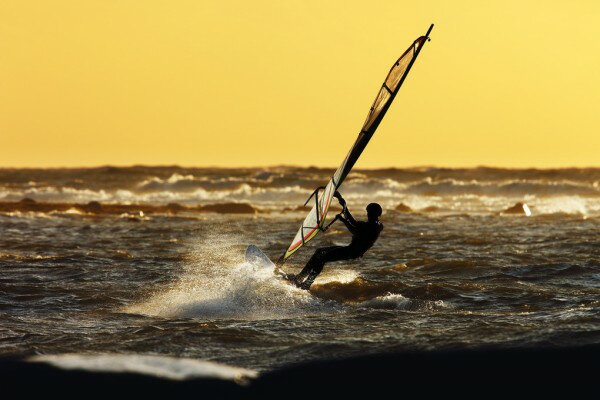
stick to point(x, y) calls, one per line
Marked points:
point(364, 235)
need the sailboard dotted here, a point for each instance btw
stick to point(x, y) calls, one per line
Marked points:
point(261, 262)
point(255, 257)
point(316, 220)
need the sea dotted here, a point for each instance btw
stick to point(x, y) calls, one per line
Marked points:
point(150, 261)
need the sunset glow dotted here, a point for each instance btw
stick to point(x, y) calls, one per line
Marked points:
point(507, 83)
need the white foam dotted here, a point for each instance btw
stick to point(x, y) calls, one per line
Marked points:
point(387, 302)
point(159, 366)
point(397, 301)
point(563, 204)
point(337, 275)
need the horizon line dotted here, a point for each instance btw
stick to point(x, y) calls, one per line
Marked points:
point(425, 166)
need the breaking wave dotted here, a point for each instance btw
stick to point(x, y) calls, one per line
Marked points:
point(361, 292)
point(506, 189)
point(397, 301)
point(477, 190)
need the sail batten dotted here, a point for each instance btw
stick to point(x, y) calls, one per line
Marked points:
point(315, 221)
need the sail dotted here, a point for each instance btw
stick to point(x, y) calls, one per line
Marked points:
point(316, 219)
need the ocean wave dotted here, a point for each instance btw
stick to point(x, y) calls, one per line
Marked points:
point(178, 178)
point(354, 291)
point(262, 180)
point(423, 190)
point(31, 207)
point(389, 301)
point(505, 189)
point(243, 192)
point(188, 183)
point(361, 292)
point(190, 189)
point(397, 301)
point(539, 208)
point(549, 271)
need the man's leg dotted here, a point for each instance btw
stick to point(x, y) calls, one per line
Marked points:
point(314, 266)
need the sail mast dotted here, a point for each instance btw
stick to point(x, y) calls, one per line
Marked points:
point(315, 220)
point(379, 118)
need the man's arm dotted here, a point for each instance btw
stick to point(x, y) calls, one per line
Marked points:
point(351, 227)
point(345, 211)
point(349, 221)
point(349, 216)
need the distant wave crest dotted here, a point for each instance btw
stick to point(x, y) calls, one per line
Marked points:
point(477, 190)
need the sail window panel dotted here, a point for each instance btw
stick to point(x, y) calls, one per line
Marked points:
point(399, 68)
point(309, 224)
point(311, 219)
point(382, 98)
point(325, 201)
point(397, 71)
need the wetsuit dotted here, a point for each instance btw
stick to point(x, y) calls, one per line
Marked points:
point(364, 235)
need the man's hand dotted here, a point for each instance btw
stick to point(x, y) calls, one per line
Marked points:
point(338, 196)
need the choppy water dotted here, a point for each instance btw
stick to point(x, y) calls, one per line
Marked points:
point(456, 273)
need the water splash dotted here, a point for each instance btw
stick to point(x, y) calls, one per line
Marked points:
point(216, 285)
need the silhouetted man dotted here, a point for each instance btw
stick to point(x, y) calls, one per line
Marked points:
point(364, 235)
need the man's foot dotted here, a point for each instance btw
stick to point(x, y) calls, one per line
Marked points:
point(303, 285)
point(289, 277)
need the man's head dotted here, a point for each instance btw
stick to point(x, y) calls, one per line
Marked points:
point(374, 211)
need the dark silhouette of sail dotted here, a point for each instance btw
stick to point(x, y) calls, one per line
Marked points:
point(315, 221)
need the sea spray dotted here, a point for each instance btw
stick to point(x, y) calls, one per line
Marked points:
point(215, 284)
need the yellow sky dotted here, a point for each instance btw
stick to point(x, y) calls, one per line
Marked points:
point(249, 83)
